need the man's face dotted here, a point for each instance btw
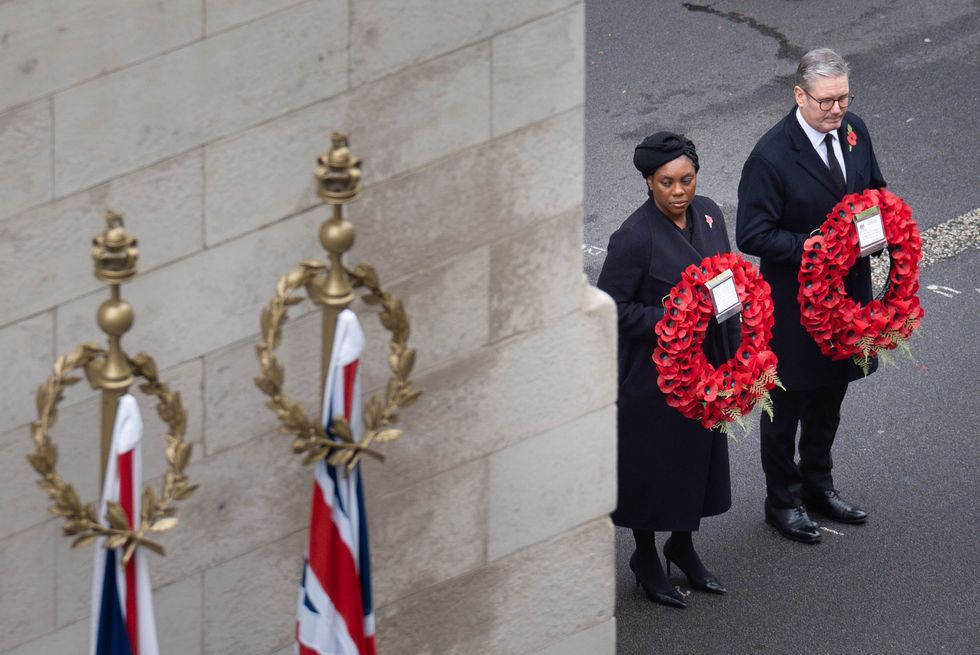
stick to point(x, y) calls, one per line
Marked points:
point(822, 88)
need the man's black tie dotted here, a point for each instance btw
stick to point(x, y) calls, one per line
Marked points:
point(835, 169)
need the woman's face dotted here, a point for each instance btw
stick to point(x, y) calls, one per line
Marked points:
point(673, 186)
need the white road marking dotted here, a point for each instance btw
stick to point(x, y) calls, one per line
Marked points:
point(831, 531)
point(941, 290)
point(592, 250)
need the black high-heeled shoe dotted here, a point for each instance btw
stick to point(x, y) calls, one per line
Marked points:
point(669, 598)
point(707, 583)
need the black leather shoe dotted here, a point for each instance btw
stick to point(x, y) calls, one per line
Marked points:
point(793, 523)
point(831, 505)
point(705, 581)
point(669, 598)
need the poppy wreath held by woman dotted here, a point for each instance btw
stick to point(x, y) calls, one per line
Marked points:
point(716, 397)
point(841, 326)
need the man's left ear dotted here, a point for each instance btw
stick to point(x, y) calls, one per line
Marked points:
point(798, 95)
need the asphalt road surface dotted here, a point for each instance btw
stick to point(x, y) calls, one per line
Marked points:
point(907, 449)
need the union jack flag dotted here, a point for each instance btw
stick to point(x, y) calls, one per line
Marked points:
point(334, 614)
point(122, 620)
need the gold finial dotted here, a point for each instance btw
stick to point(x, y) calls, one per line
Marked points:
point(338, 172)
point(338, 175)
point(115, 254)
point(114, 251)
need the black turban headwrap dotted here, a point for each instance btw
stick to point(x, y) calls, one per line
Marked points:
point(660, 148)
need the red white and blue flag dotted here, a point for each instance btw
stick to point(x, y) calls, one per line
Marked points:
point(122, 606)
point(334, 614)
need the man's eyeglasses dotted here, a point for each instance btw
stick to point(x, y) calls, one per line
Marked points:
point(828, 103)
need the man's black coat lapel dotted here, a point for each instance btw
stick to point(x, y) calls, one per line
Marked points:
point(851, 160)
point(807, 157)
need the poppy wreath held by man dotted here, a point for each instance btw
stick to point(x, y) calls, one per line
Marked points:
point(841, 326)
point(717, 397)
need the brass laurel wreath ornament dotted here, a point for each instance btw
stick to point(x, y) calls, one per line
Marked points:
point(111, 370)
point(338, 180)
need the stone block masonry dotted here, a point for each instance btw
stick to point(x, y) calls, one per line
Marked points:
point(200, 121)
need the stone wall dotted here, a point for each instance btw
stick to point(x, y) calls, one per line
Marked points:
point(200, 120)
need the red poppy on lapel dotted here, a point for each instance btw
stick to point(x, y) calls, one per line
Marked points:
point(852, 138)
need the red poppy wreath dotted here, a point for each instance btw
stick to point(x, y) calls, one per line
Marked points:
point(716, 397)
point(841, 326)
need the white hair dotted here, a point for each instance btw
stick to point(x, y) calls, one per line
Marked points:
point(822, 62)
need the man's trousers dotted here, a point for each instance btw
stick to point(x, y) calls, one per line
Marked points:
point(817, 412)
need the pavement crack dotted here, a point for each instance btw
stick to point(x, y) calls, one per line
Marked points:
point(787, 50)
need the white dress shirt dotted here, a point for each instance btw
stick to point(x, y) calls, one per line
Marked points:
point(816, 138)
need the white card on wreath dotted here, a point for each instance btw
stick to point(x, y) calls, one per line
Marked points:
point(724, 296)
point(871, 231)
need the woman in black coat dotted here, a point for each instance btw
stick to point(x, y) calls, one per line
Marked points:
point(671, 470)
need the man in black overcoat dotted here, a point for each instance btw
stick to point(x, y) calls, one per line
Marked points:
point(797, 172)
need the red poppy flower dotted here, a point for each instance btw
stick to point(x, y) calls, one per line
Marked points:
point(838, 260)
point(879, 324)
point(767, 359)
point(666, 328)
